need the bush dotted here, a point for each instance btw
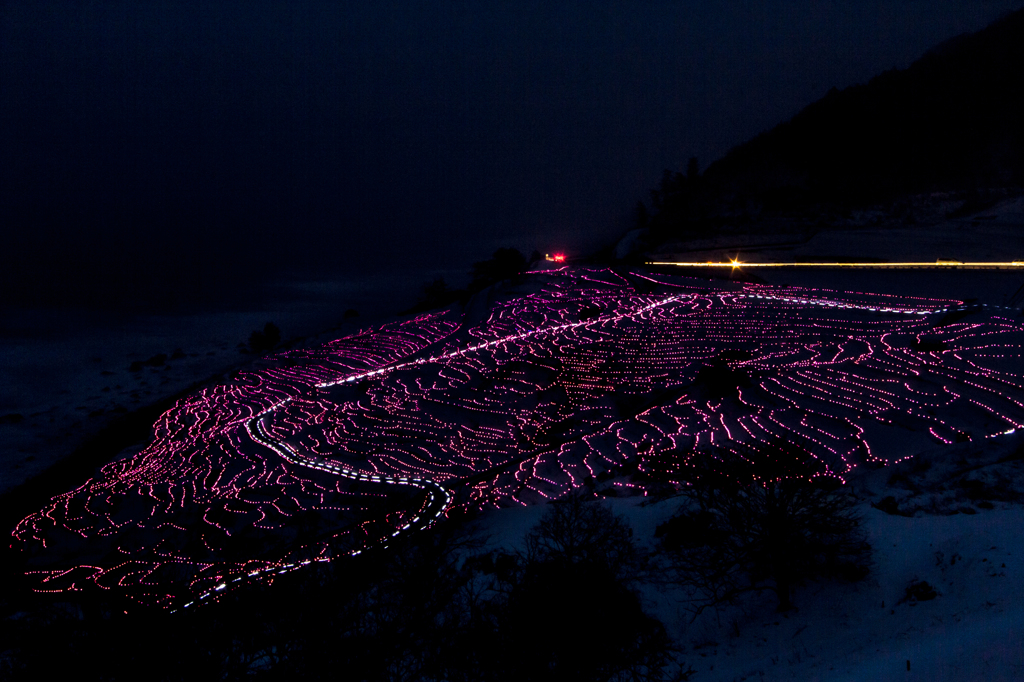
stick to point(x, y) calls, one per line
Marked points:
point(918, 591)
point(158, 360)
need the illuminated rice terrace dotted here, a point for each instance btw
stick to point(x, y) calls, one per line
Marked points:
point(337, 449)
point(940, 264)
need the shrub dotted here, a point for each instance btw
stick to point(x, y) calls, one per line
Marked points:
point(918, 590)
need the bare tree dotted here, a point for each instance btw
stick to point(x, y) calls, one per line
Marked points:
point(576, 531)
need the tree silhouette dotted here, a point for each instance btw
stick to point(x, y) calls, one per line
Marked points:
point(572, 611)
point(677, 205)
point(641, 217)
point(436, 293)
point(577, 533)
point(722, 379)
point(506, 263)
point(761, 519)
point(266, 340)
point(692, 169)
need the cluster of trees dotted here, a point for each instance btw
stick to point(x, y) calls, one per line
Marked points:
point(678, 205)
point(505, 264)
point(437, 606)
point(265, 340)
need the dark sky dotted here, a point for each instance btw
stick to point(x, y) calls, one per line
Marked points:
point(159, 151)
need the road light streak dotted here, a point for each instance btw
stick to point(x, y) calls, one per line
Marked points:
point(879, 265)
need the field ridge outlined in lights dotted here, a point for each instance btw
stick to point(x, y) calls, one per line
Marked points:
point(333, 450)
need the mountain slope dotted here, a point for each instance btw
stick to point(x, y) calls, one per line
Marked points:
point(951, 121)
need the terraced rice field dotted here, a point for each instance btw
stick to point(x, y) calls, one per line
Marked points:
point(337, 449)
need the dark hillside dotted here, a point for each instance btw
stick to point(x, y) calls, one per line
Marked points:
point(951, 122)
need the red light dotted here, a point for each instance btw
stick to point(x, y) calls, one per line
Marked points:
point(559, 257)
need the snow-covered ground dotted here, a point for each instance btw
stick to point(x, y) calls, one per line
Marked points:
point(866, 631)
point(971, 555)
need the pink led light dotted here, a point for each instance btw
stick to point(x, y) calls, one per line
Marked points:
point(339, 448)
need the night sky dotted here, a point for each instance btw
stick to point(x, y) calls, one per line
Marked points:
point(183, 153)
